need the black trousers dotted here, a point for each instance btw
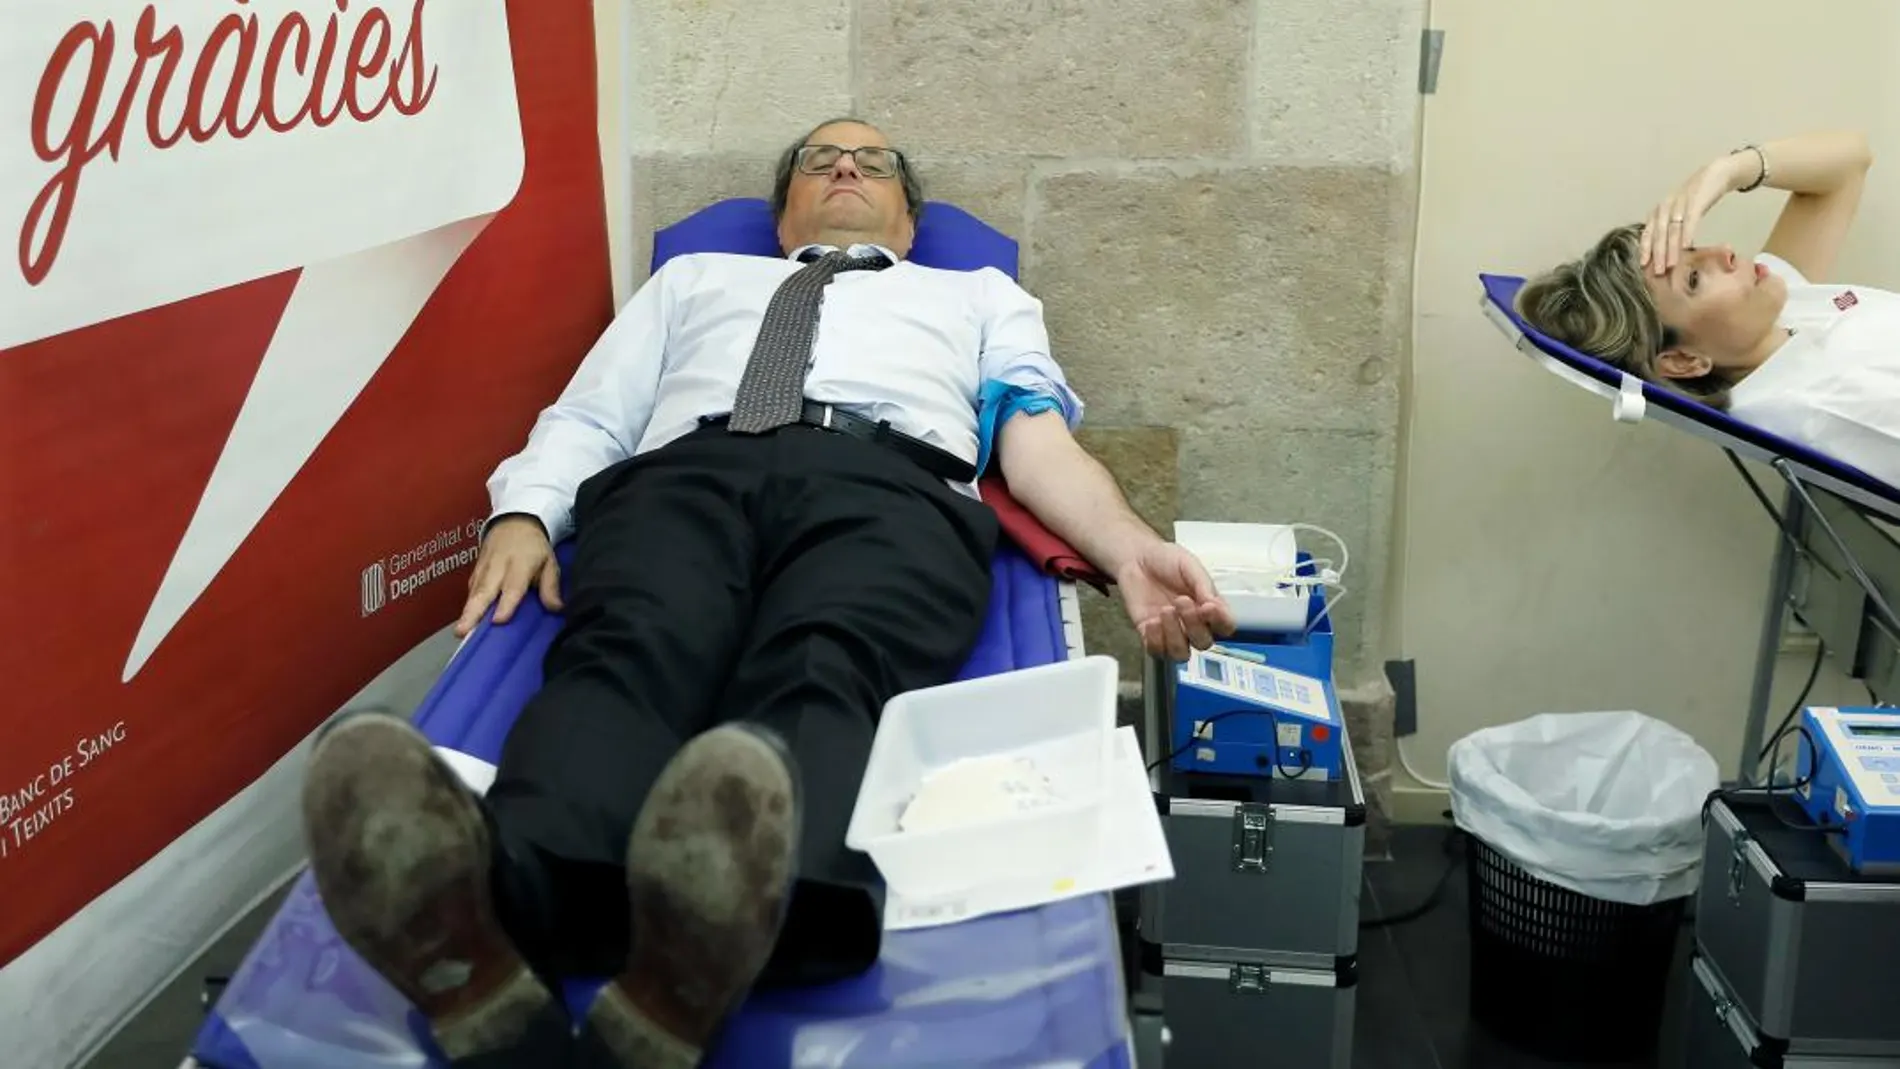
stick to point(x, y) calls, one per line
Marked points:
point(798, 579)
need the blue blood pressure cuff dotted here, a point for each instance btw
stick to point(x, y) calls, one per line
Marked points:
point(997, 402)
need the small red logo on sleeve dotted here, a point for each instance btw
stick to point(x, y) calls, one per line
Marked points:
point(1846, 300)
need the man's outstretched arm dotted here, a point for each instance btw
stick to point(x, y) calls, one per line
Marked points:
point(1070, 491)
point(1166, 592)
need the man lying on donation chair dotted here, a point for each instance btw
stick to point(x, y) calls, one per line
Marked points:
point(754, 576)
point(1815, 363)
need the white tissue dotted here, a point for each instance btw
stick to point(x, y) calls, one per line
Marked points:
point(977, 789)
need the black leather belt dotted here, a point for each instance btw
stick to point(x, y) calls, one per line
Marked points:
point(923, 454)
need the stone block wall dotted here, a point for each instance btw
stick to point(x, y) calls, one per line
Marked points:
point(1214, 200)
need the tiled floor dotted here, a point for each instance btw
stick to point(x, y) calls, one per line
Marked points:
point(1410, 1008)
point(1412, 1001)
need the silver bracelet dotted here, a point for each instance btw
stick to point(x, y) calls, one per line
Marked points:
point(1760, 178)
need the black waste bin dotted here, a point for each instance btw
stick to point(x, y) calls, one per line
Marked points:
point(1562, 975)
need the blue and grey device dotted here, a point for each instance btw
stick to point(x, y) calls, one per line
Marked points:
point(1854, 755)
point(1261, 705)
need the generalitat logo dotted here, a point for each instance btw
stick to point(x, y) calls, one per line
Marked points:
point(374, 577)
point(403, 573)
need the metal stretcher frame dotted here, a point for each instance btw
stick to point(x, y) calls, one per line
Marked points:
point(1836, 556)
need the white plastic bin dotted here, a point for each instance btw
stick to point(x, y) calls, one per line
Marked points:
point(1062, 714)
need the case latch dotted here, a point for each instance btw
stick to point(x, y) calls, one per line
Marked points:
point(1737, 867)
point(1248, 980)
point(1253, 837)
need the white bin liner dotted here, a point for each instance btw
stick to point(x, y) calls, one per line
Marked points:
point(1606, 804)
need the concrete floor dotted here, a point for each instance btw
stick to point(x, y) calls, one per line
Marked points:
point(160, 1036)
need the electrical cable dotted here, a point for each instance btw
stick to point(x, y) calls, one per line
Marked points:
point(1772, 791)
point(1773, 747)
point(1405, 763)
point(1325, 575)
point(1320, 573)
point(1432, 898)
point(1279, 755)
point(1324, 572)
point(1814, 673)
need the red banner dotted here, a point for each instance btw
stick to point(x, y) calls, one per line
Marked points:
point(289, 277)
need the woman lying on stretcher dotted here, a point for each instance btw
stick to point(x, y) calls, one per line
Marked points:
point(1765, 338)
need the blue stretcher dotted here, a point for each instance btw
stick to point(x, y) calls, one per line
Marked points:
point(1838, 555)
point(1037, 987)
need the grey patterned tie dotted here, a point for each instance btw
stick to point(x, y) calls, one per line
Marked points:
point(772, 390)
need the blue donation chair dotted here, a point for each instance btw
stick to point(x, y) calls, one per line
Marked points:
point(1036, 987)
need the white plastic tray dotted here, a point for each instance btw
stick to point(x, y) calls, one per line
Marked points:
point(1062, 715)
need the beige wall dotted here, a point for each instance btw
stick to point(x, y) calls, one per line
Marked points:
point(1213, 199)
point(1549, 558)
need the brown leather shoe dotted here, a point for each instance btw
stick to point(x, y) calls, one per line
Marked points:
point(401, 856)
point(710, 866)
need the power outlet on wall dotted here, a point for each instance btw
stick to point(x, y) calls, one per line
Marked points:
point(1403, 675)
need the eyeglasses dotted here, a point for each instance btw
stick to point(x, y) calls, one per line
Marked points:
point(873, 161)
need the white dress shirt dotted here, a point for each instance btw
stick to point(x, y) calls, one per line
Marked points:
point(1834, 386)
point(909, 344)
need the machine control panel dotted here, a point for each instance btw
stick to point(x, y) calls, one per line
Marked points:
point(1848, 769)
point(1868, 743)
point(1258, 710)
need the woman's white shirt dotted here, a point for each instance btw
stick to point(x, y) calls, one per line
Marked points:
point(1834, 386)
